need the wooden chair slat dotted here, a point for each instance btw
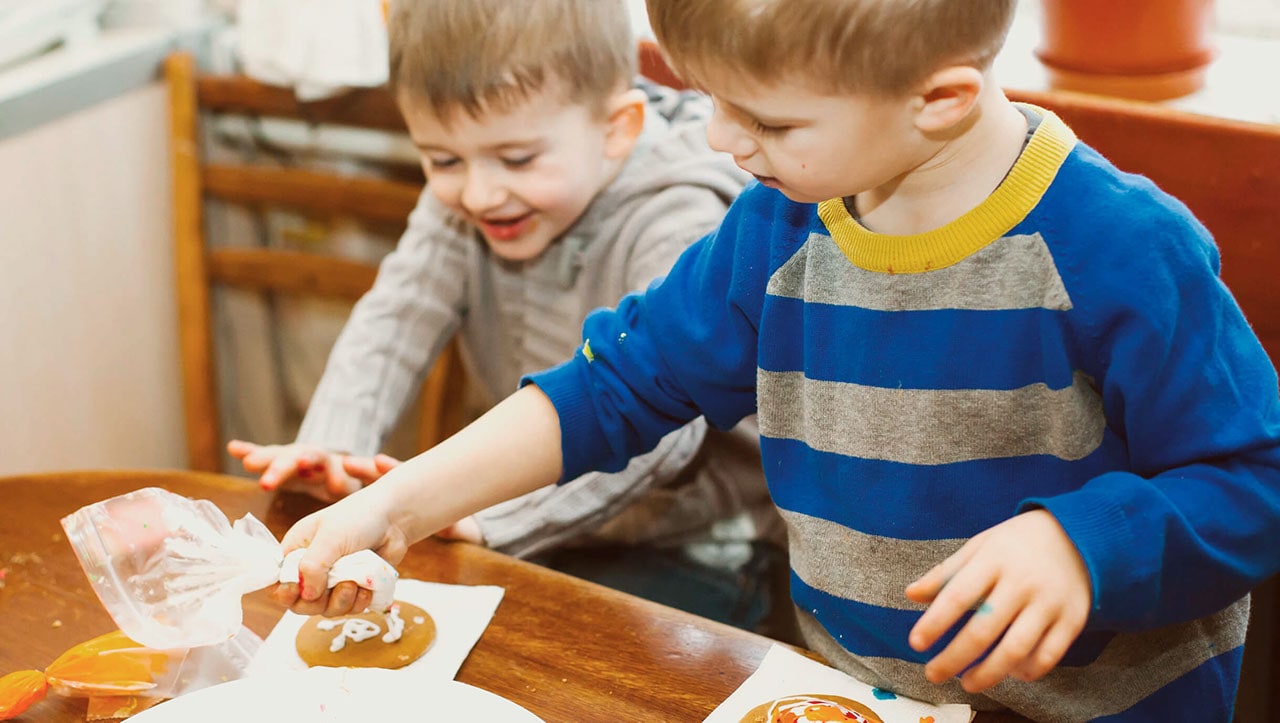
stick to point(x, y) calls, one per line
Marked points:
point(289, 272)
point(313, 193)
point(365, 108)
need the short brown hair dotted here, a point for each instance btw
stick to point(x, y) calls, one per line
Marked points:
point(483, 55)
point(878, 46)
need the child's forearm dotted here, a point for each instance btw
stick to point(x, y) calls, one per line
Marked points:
point(511, 450)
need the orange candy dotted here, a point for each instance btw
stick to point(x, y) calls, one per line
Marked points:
point(18, 691)
point(109, 666)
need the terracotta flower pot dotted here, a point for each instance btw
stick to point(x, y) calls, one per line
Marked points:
point(1144, 49)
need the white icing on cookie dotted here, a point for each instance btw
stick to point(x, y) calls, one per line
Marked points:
point(395, 625)
point(358, 629)
point(811, 709)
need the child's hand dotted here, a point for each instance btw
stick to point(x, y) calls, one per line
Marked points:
point(308, 468)
point(1025, 580)
point(369, 469)
point(358, 522)
point(465, 529)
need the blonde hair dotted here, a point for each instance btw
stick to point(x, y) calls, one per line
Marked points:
point(878, 46)
point(485, 55)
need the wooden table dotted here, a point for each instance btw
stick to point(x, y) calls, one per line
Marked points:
point(563, 648)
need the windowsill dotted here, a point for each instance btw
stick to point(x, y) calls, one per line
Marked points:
point(1230, 89)
point(68, 79)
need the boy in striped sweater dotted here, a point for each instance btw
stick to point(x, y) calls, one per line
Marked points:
point(1026, 445)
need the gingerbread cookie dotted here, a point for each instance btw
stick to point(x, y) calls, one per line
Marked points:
point(807, 708)
point(368, 640)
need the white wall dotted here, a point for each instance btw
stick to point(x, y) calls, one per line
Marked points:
point(88, 341)
point(639, 19)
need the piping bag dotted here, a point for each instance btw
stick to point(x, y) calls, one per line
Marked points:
point(171, 570)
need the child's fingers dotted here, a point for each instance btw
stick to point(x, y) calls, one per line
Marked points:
point(364, 598)
point(310, 457)
point(1052, 646)
point(339, 483)
point(990, 618)
point(318, 606)
point(313, 569)
point(385, 463)
point(342, 599)
point(927, 587)
point(260, 457)
point(938, 586)
point(1021, 637)
point(281, 469)
point(300, 535)
point(239, 448)
point(362, 468)
point(465, 529)
point(964, 591)
point(285, 593)
point(368, 470)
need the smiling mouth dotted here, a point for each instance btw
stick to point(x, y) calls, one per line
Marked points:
point(769, 181)
point(505, 229)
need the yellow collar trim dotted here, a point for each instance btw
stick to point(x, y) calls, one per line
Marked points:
point(1012, 200)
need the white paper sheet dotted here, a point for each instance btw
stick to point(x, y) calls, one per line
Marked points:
point(461, 613)
point(783, 673)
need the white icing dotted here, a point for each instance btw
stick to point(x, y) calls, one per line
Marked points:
point(418, 620)
point(358, 629)
point(799, 710)
point(395, 625)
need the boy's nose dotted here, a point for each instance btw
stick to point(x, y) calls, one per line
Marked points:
point(726, 136)
point(482, 191)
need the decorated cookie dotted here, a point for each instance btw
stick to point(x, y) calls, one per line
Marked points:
point(368, 640)
point(811, 708)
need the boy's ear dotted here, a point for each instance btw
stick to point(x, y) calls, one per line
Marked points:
point(625, 117)
point(947, 96)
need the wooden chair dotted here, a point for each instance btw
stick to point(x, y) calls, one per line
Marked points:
point(313, 194)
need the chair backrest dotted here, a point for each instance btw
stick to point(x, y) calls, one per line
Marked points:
point(310, 193)
point(1227, 172)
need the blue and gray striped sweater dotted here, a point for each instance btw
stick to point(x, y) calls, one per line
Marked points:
point(1067, 345)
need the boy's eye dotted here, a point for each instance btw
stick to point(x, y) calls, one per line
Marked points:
point(440, 164)
point(518, 161)
point(764, 130)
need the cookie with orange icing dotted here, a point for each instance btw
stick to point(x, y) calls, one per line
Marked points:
point(368, 640)
point(811, 709)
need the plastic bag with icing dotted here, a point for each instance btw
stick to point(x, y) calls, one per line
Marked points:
point(171, 570)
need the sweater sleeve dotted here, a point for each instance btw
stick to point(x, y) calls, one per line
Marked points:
point(394, 333)
point(685, 346)
point(550, 516)
point(1193, 525)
